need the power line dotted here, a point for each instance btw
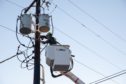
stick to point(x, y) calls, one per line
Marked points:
point(97, 35)
point(89, 49)
point(7, 28)
point(7, 0)
point(64, 34)
point(98, 55)
point(79, 42)
point(93, 70)
point(109, 77)
point(11, 2)
point(96, 20)
point(10, 57)
point(89, 68)
point(75, 60)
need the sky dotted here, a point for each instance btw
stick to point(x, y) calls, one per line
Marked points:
point(94, 29)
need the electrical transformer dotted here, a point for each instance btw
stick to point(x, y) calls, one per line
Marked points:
point(58, 57)
point(44, 22)
point(25, 23)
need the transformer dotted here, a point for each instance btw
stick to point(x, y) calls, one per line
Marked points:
point(44, 23)
point(25, 24)
point(58, 57)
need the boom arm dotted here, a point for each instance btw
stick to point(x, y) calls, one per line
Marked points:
point(73, 77)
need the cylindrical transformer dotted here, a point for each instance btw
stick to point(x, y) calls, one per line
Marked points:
point(44, 25)
point(25, 23)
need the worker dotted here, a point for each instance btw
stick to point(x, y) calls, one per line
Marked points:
point(50, 39)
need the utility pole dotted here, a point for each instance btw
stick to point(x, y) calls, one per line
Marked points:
point(61, 52)
point(26, 29)
point(37, 47)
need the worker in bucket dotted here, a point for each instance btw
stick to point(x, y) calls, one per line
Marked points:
point(50, 39)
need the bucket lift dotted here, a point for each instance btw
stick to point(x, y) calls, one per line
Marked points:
point(58, 57)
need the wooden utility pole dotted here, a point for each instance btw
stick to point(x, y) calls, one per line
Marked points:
point(37, 47)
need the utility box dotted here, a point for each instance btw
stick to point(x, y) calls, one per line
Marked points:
point(58, 57)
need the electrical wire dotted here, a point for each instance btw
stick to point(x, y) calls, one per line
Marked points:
point(9, 29)
point(11, 2)
point(17, 34)
point(44, 48)
point(23, 52)
point(18, 51)
point(92, 52)
point(78, 22)
point(53, 75)
point(27, 60)
point(26, 63)
point(96, 20)
point(89, 49)
point(103, 26)
point(109, 77)
point(94, 33)
point(97, 35)
point(89, 67)
point(10, 58)
point(53, 10)
point(18, 37)
point(93, 70)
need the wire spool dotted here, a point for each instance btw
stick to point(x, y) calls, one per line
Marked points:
point(44, 23)
point(25, 23)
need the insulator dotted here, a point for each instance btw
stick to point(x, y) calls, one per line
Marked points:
point(25, 23)
point(44, 20)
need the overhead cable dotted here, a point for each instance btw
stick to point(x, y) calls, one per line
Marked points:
point(10, 58)
point(93, 70)
point(77, 43)
point(96, 20)
point(109, 77)
point(90, 30)
point(97, 35)
point(89, 67)
point(11, 2)
point(89, 49)
point(7, 28)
